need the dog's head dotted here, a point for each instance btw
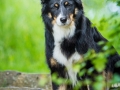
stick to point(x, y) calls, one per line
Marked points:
point(62, 12)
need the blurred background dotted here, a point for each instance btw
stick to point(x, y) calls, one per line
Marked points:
point(22, 44)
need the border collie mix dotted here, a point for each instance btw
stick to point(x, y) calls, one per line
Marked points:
point(69, 35)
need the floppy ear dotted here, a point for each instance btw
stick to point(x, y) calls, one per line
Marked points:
point(79, 4)
point(43, 1)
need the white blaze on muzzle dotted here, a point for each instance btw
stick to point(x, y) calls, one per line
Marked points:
point(63, 20)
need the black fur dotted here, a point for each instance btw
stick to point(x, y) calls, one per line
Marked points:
point(86, 37)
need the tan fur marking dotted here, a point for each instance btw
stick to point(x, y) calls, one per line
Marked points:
point(62, 87)
point(66, 3)
point(53, 62)
point(71, 17)
point(49, 15)
point(54, 21)
point(72, 20)
point(107, 77)
point(76, 11)
point(56, 5)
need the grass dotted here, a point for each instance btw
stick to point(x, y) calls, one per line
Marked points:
point(22, 43)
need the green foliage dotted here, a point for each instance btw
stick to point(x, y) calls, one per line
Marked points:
point(22, 36)
point(103, 16)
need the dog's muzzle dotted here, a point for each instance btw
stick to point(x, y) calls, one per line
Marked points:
point(63, 19)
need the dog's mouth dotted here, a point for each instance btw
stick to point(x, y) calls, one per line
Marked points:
point(64, 23)
point(64, 20)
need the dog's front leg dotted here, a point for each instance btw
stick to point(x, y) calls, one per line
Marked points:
point(58, 71)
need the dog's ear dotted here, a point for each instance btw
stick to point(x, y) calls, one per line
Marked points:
point(79, 4)
point(43, 1)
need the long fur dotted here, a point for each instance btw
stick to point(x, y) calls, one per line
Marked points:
point(66, 45)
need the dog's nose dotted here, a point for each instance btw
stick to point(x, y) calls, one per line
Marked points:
point(63, 19)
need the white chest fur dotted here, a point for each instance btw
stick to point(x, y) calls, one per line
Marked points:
point(65, 32)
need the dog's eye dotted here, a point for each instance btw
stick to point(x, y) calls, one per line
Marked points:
point(56, 5)
point(66, 4)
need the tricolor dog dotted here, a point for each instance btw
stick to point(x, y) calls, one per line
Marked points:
point(68, 36)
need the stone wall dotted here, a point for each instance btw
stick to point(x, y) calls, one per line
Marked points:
point(12, 80)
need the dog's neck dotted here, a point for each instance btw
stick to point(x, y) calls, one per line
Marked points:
point(61, 32)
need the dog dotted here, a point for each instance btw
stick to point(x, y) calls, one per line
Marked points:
point(68, 36)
